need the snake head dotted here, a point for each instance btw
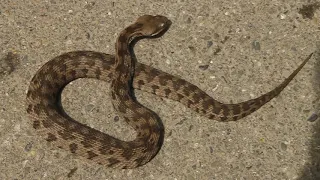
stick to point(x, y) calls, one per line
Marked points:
point(153, 25)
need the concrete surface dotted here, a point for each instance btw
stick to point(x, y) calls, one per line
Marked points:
point(233, 50)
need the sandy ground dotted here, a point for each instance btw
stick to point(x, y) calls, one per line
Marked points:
point(233, 50)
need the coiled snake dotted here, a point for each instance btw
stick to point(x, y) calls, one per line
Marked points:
point(51, 122)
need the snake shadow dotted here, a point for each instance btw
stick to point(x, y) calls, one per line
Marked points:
point(311, 170)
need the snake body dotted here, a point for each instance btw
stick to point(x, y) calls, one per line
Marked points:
point(51, 122)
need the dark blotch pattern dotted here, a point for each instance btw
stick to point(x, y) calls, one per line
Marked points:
point(196, 98)
point(153, 74)
point(90, 63)
point(154, 88)
point(91, 154)
point(226, 110)
point(179, 97)
point(29, 108)
point(167, 92)
point(141, 83)
point(51, 137)
point(140, 160)
point(66, 135)
point(36, 124)
point(98, 73)
point(177, 84)
point(236, 109)
point(127, 153)
point(211, 116)
point(113, 161)
point(73, 147)
point(163, 80)
point(87, 143)
point(245, 106)
point(105, 149)
point(47, 123)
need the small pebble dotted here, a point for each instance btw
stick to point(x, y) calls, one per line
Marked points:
point(282, 16)
point(217, 50)
point(211, 149)
point(28, 147)
point(256, 45)
point(228, 131)
point(283, 146)
point(313, 117)
point(203, 67)
point(209, 44)
point(189, 20)
point(88, 35)
point(192, 49)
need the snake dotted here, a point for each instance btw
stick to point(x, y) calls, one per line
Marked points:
point(50, 121)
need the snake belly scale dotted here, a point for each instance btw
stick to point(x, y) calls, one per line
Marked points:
point(51, 122)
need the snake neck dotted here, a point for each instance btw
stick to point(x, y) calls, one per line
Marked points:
point(123, 56)
point(124, 67)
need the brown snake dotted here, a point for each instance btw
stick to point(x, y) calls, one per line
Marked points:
point(49, 119)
